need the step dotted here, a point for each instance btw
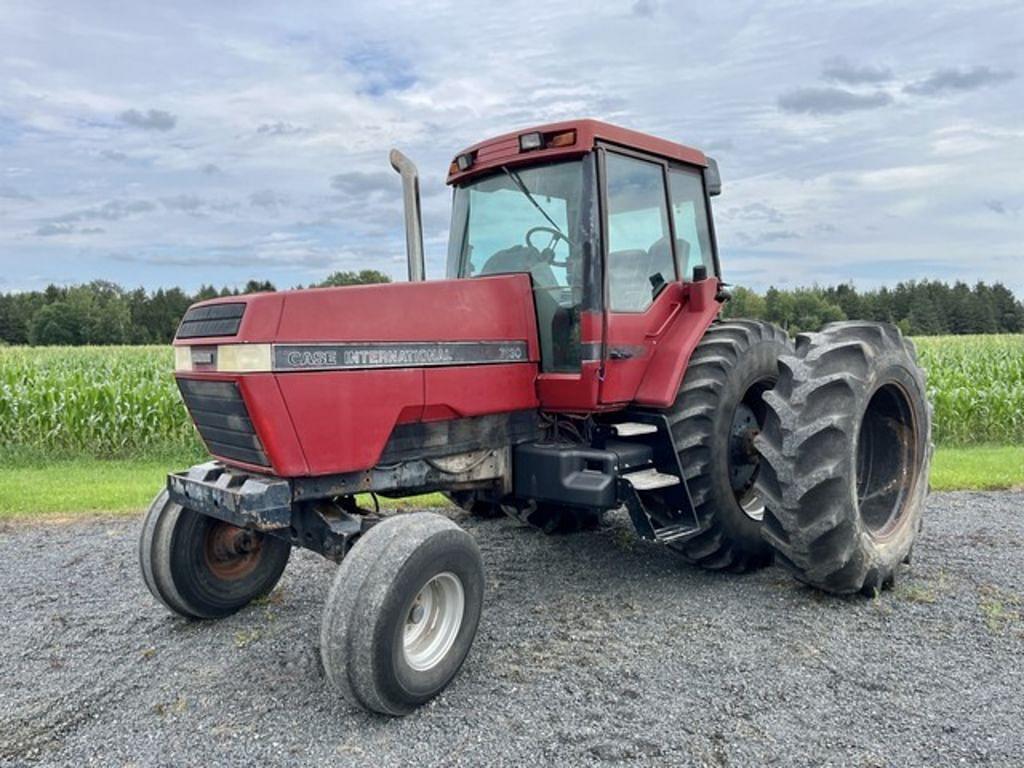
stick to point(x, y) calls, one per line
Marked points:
point(634, 428)
point(672, 533)
point(650, 479)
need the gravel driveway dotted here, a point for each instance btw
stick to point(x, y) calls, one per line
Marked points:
point(593, 649)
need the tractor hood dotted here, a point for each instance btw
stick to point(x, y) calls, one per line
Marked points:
point(315, 382)
point(496, 308)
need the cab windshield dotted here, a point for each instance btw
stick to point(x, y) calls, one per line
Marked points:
point(536, 220)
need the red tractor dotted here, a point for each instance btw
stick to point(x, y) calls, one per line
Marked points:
point(572, 362)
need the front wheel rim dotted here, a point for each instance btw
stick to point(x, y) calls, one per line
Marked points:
point(231, 553)
point(433, 621)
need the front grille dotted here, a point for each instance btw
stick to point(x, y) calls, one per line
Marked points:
point(213, 320)
point(220, 414)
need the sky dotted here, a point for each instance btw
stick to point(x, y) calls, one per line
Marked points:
point(188, 143)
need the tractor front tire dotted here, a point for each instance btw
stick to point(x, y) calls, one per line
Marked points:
point(714, 420)
point(847, 450)
point(203, 568)
point(402, 613)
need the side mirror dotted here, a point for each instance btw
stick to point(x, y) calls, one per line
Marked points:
point(712, 178)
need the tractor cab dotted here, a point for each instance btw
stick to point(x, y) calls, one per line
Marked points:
point(610, 224)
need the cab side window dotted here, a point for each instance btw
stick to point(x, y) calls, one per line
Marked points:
point(640, 261)
point(690, 219)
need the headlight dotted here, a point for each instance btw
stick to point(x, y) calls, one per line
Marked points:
point(225, 358)
point(244, 358)
point(183, 358)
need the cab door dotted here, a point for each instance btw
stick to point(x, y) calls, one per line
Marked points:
point(644, 260)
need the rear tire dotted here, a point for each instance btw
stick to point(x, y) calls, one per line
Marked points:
point(718, 411)
point(847, 450)
point(402, 613)
point(202, 568)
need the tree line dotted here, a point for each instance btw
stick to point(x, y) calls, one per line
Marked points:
point(926, 308)
point(101, 312)
point(105, 313)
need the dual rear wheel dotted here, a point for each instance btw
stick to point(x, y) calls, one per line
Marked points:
point(814, 454)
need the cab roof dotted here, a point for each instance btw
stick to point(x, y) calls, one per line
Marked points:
point(575, 138)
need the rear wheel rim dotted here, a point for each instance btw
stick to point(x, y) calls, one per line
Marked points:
point(887, 466)
point(744, 460)
point(433, 621)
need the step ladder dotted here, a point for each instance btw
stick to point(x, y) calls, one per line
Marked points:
point(634, 429)
point(650, 479)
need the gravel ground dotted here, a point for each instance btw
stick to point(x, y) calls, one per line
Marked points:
point(593, 649)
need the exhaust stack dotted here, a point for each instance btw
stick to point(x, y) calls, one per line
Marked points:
point(413, 217)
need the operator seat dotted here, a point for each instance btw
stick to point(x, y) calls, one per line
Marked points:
point(521, 258)
point(628, 287)
point(660, 254)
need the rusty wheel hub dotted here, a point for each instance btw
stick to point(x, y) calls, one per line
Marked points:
point(231, 552)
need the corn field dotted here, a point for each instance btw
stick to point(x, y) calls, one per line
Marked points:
point(122, 401)
point(98, 401)
point(976, 384)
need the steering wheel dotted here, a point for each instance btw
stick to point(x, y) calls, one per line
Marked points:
point(548, 252)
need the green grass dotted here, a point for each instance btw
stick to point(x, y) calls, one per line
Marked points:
point(77, 486)
point(981, 468)
point(36, 488)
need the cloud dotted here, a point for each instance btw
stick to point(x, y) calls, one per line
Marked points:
point(382, 70)
point(644, 8)
point(755, 212)
point(267, 199)
point(361, 183)
point(1002, 208)
point(943, 81)
point(361, 78)
point(776, 235)
point(830, 101)
point(278, 129)
point(10, 193)
point(150, 120)
point(112, 210)
point(114, 156)
point(839, 69)
point(55, 228)
point(184, 203)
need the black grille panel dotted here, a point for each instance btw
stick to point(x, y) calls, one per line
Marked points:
point(214, 320)
point(220, 414)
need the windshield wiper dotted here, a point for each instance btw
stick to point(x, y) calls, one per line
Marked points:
point(522, 188)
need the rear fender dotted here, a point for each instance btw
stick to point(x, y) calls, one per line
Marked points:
point(671, 355)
